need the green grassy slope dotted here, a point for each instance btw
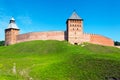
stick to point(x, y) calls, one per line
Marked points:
point(58, 60)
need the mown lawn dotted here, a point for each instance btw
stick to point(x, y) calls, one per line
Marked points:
point(58, 60)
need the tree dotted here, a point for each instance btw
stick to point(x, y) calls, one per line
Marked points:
point(2, 43)
point(116, 43)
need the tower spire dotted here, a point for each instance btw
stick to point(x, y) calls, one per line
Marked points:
point(74, 15)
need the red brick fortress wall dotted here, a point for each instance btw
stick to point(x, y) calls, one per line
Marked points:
point(61, 35)
point(54, 35)
point(101, 40)
point(10, 36)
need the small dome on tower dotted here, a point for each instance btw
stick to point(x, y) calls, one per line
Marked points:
point(12, 24)
point(12, 19)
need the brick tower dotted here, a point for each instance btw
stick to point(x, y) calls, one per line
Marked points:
point(11, 32)
point(74, 29)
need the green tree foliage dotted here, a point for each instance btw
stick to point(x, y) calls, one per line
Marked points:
point(2, 43)
point(116, 43)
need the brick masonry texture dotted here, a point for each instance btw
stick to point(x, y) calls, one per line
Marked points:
point(60, 35)
point(55, 35)
point(101, 40)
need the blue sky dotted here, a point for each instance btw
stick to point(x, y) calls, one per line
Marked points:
point(100, 16)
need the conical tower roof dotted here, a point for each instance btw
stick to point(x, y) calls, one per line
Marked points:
point(12, 24)
point(74, 16)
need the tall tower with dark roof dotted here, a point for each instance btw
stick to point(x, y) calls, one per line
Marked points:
point(74, 29)
point(11, 32)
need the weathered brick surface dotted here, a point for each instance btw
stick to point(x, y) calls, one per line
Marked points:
point(74, 31)
point(55, 35)
point(10, 36)
point(98, 39)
